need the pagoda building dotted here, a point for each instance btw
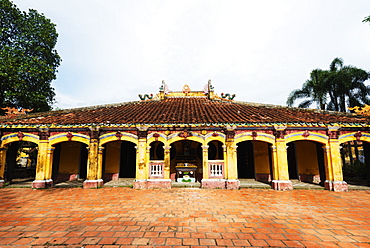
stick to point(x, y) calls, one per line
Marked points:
point(182, 136)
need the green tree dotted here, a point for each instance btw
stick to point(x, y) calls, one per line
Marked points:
point(314, 90)
point(346, 86)
point(366, 19)
point(28, 58)
point(343, 86)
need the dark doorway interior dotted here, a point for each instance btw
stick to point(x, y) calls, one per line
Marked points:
point(321, 163)
point(245, 159)
point(21, 160)
point(128, 160)
point(292, 161)
point(82, 168)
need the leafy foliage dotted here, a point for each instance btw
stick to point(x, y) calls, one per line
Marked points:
point(366, 19)
point(28, 58)
point(334, 89)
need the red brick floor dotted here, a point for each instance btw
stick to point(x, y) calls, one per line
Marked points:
point(124, 217)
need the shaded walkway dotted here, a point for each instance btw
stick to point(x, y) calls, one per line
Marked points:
point(127, 182)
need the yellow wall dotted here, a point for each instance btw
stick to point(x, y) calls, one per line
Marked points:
point(261, 157)
point(112, 157)
point(307, 158)
point(69, 157)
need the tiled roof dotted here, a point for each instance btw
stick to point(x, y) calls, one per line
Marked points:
point(184, 110)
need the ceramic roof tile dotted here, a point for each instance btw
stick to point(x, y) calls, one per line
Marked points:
point(191, 110)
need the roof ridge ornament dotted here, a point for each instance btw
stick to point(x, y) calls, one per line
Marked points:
point(211, 90)
point(228, 96)
point(207, 92)
point(143, 98)
point(186, 89)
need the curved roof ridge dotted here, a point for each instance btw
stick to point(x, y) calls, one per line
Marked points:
point(186, 109)
point(320, 111)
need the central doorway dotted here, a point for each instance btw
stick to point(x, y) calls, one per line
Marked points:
point(186, 153)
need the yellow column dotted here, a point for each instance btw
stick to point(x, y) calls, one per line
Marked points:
point(49, 167)
point(92, 180)
point(327, 162)
point(147, 159)
point(2, 164)
point(167, 162)
point(334, 164)
point(226, 172)
point(280, 162)
point(42, 165)
point(141, 159)
point(205, 162)
point(231, 160)
point(275, 172)
point(100, 162)
point(141, 165)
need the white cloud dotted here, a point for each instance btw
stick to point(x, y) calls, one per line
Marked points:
point(115, 49)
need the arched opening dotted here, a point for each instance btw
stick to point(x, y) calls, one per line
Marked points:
point(186, 161)
point(21, 161)
point(119, 160)
point(156, 163)
point(216, 160)
point(356, 162)
point(306, 162)
point(156, 151)
point(245, 160)
point(69, 161)
point(254, 161)
point(215, 150)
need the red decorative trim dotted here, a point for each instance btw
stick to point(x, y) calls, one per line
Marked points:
point(215, 134)
point(306, 134)
point(254, 135)
point(20, 135)
point(119, 135)
point(230, 134)
point(156, 136)
point(333, 134)
point(69, 136)
point(358, 135)
point(184, 134)
point(279, 134)
point(44, 135)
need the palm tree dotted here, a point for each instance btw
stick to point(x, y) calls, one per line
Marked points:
point(346, 86)
point(343, 85)
point(314, 90)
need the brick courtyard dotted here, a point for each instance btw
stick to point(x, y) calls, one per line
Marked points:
point(183, 217)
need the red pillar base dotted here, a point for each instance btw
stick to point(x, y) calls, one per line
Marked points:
point(2, 182)
point(49, 183)
point(233, 184)
point(282, 185)
point(42, 184)
point(213, 184)
point(140, 184)
point(93, 184)
point(153, 184)
point(338, 186)
point(159, 183)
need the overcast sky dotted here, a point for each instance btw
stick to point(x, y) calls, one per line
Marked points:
point(113, 50)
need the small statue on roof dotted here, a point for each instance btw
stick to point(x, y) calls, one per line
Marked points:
point(186, 89)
